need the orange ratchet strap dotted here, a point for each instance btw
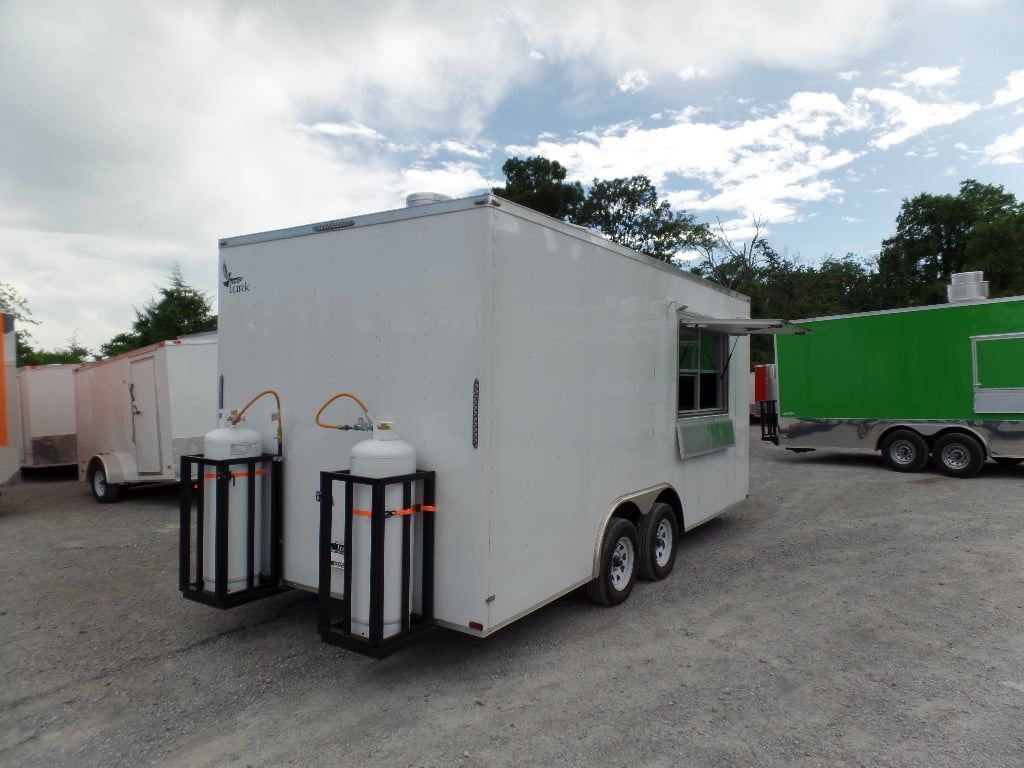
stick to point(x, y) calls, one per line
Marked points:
point(213, 475)
point(410, 511)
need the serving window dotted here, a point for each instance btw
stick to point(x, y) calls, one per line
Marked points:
point(702, 379)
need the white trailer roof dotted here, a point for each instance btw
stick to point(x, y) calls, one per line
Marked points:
point(460, 204)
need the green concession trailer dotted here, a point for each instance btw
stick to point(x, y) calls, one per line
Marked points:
point(943, 382)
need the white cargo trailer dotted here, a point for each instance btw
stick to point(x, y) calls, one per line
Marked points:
point(10, 411)
point(574, 406)
point(48, 429)
point(139, 412)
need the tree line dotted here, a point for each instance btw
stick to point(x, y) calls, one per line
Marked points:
point(180, 310)
point(981, 228)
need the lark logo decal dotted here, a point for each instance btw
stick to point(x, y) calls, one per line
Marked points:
point(234, 284)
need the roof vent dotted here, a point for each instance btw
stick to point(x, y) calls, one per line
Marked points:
point(424, 198)
point(967, 286)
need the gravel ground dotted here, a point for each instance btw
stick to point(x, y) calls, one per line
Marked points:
point(844, 615)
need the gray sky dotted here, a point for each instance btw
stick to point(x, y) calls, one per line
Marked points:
point(134, 134)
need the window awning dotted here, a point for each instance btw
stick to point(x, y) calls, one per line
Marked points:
point(741, 326)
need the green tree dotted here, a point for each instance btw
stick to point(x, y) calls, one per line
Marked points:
point(26, 354)
point(539, 183)
point(782, 286)
point(181, 310)
point(996, 248)
point(14, 304)
point(628, 212)
point(932, 242)
point(738, 265)
point(122, 342)
point(72, 353)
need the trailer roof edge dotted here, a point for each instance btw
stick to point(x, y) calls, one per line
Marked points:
point(899, 310)
point(464, 204)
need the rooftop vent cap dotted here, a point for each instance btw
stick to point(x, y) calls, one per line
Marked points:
point(967, 286)
point(424, 198)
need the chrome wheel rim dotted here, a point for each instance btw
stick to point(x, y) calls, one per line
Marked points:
point(903, 452)
point(955, 456)
point(622, 563)
point(662, 543)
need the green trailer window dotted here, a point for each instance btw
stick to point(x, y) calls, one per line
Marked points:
point(998, 373)
point(702, 357)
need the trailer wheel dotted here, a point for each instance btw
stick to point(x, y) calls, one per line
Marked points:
point(618, 566)
point(659, 538)
point(103, 491)
point(905, 451)
point(958, 455)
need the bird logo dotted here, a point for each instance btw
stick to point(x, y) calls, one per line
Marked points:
point(228, 279)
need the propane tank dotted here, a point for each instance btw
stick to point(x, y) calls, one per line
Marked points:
point(231, 441)
point(383, 455)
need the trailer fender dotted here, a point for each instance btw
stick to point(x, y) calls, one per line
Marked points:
point(633, 506)
point(113, 465)
point(105, 475)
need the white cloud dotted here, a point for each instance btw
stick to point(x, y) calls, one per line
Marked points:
point(1013, 90)
point(453, 179)
point(693, 73)
point(352, 130)
point(479, 151)
point(929, 78)
point(134, 135)
point(1006, 150)
point(766, 167)
point(671, 38)
point(633, 81)
point(905, 117)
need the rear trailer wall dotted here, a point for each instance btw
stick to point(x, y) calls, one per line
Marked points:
point(397, 313)
point(47, 415)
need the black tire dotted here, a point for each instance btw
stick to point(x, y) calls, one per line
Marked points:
point(619, 563)
point(1007, 461)
point(102, 491)
point(905, 451)
point(659, 541)
point(958, 454)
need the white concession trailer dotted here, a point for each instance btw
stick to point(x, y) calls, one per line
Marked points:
point(568, 408)
point(137, 413)
point(48, 415)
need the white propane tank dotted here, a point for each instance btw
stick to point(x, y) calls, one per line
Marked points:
point(231, 441)
point(383, 455)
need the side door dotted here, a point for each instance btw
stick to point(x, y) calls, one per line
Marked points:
point(145, 418)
